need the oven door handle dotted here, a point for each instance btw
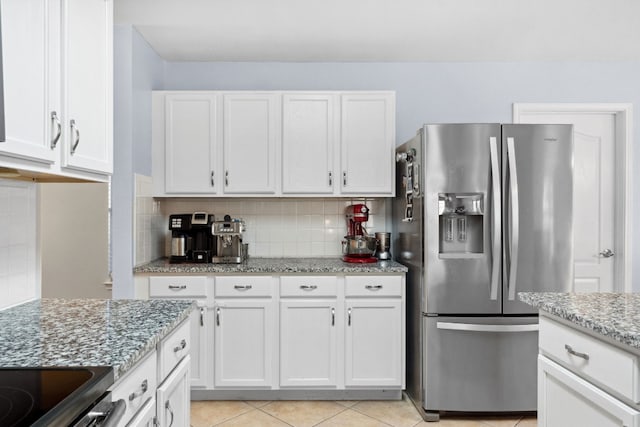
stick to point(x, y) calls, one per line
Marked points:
point(115, 414)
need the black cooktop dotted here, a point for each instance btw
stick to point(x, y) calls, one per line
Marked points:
point(49, 396)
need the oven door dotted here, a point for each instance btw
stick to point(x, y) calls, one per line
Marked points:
point(105, 413)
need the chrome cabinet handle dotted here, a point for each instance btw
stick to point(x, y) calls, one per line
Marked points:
point(349, 317)
point(344, 178)
point(330, 179)
point(607, 253)
point(74, 130)
point(213, 183)
point(167, 405)
point(177, 287)
point(182, 345)
point(226, 178)
point(373, 287)
point(56, 121)
point(242, 287)
point(144, 386)
point(571, 351)
point(217, 316)
point(333, 316)
point(201, 316)
point(308, 287)
point(497, 223)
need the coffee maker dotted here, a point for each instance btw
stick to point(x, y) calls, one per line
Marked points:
point(191, 239)
point(227, 235)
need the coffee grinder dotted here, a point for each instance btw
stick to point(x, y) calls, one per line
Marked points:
point(358, 246)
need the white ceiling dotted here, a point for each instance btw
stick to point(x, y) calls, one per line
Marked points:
point(387, 30)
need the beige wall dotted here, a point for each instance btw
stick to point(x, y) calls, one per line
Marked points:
point(73, 240)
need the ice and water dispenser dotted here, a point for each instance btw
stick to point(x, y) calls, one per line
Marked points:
point(461, 217)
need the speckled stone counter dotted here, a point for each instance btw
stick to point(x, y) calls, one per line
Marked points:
point(614, 315)
point(86, 332)
point(275, 265)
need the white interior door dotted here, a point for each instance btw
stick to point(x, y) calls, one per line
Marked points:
point(598, 249)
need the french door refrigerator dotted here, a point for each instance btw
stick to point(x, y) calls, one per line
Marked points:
point(482, 212)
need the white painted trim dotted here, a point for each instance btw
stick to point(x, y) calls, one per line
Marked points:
point(623, 177)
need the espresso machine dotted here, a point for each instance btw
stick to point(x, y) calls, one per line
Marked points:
point(358, 246)
point(227, 235)
point(191, 239)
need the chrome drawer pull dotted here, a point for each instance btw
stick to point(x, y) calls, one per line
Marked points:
point(182, 345)
point(308, 287)
point(349, 317)
point(143, 389)
point(333, 316)
point(373, 287)
point(242, 287)
point(177, 287)
point(571, 351)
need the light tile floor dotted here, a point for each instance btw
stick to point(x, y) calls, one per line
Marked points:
point(308, 413)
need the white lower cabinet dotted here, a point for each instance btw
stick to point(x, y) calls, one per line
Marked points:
point(585, 381)
point(146, 416)
point(173, 397)
point(308, 343)
point(137, 386)
point(243, 349)
point(374, 342)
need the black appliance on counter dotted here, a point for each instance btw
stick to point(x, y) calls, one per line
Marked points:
point(74, 396)
point(191, 239)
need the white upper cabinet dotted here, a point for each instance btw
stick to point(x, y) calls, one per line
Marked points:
point(87, 84)
point(273, 143)
point(251, 129)
point(191, 143)
point(367, 143)
point(58, 61)
point(308, 140)
point(27, 45)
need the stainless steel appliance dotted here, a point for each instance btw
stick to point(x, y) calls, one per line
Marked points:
point(58, 397)
point(227, 235)
point(358, 246)
point(483, 211)
point(191, 239)
point(383, 245)
point(2, 125)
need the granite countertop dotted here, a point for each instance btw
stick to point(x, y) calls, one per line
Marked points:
point(274, 265)
point(614, 315)
point(86, 332)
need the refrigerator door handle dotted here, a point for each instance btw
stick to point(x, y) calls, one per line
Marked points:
point(497, 226)
point(474, 327)
point(514, 220)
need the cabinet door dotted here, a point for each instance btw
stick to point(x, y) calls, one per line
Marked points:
point(373, 342)
point(251, 132)
point(244, 337)
point(308, 343)
point(564, 399)
point(173, 398)
point(201, 329)
point(28, 57)
point(87, 75)
point(367, 143)
point(308, 138)
point(191, 143)
point(145, 416)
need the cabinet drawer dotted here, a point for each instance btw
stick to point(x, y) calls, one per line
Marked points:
point(373, 286)
point(173, 348)
point(592, 358)
point(308, 286)
point(178, 287)
point(243, 286)
point(137, 386)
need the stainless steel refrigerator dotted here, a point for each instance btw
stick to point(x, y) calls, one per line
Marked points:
point(482, 212)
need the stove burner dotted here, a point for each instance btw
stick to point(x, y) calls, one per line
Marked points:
point(15, 406)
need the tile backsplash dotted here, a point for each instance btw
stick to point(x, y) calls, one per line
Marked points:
point(282, 227)
point(149, 224)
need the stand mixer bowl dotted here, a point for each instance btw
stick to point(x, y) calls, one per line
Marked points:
point(359, 246)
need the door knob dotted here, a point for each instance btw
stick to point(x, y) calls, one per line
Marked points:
point(607, 253)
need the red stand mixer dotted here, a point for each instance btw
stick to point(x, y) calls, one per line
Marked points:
point(357, 246)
